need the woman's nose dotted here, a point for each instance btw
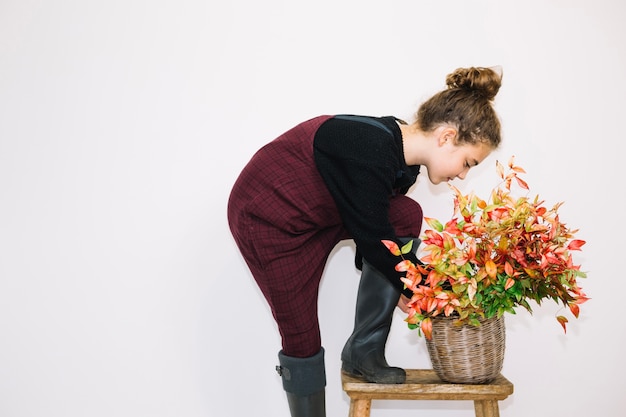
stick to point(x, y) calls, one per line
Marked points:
point(463, 174)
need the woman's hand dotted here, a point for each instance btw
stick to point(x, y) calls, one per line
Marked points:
point(402, 303)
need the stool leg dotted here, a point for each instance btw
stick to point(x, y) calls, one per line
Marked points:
point(486, 408)
point(360, 408)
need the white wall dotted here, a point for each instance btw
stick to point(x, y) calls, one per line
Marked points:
point(124, 123)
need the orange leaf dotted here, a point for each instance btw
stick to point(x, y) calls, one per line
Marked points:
point(448, 309)
point(408, 283)
point(392, 246)
point(574, 309)
point(509, 283)
point(432, 305)
point(500, 169)
point(471, 289)
point(412, 319)
point(508, 268)
point(491, 268)
point(404, 266)
point(512, 161)
point(563, 321)
point(427, 327)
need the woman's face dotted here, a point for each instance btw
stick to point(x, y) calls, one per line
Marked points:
point(452, 161)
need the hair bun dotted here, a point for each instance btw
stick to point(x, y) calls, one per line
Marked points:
point(484, 81)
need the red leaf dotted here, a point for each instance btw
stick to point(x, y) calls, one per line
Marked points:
point(452, 227)
point(433, 238)
point(582, 299)
point(521, 183)
point(576, 244)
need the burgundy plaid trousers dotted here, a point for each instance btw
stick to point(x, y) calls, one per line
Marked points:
point(285, 223)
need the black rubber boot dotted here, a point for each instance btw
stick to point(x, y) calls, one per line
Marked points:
point(364, 353)
point(304, 381)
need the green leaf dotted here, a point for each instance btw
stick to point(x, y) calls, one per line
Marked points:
point(436, 224)
point(407, 247)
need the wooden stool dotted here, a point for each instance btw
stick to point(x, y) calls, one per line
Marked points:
point(424, 384)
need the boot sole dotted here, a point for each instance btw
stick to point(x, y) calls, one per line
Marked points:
point(377, 379)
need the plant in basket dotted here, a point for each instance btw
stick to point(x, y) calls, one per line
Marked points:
point(491, 257)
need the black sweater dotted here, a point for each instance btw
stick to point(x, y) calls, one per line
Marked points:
point(363, 167)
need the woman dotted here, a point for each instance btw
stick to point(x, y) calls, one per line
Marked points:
point(345, 177)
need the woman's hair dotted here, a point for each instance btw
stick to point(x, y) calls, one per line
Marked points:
point(467, 104)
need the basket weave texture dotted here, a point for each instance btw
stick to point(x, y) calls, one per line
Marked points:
point(466, 354)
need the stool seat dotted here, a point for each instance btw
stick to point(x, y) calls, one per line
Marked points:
point(424, 384)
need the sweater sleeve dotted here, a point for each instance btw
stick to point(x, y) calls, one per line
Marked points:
point(360, 165)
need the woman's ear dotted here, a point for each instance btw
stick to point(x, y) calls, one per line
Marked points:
point(448, 134)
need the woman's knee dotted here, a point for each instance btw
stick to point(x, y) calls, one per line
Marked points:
point(406, 216)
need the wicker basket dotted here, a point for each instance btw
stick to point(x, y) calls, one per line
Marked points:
point(466, 354)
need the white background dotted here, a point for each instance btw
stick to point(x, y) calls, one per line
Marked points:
point(124, 123)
